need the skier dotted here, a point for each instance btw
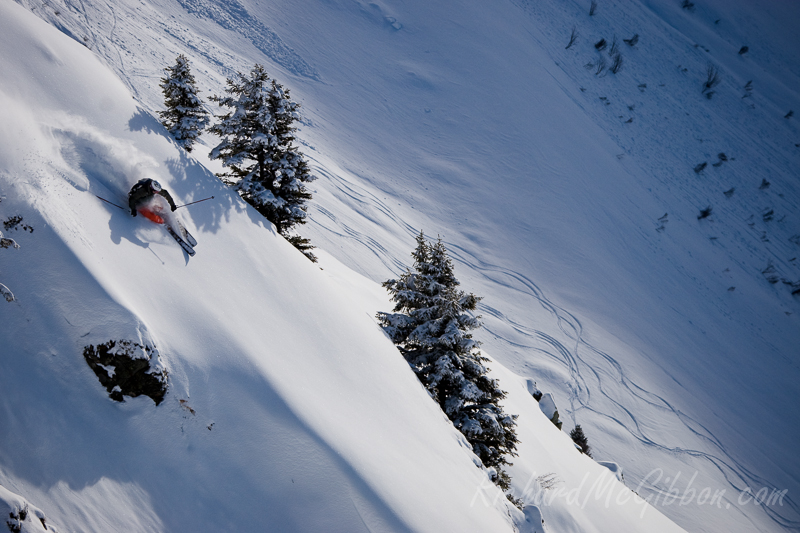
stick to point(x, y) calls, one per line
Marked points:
point(138, 200)
point(143, 191)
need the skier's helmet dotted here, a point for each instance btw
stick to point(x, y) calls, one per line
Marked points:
point(155, 186)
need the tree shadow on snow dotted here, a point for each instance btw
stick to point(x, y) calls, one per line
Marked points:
point(191, 182)
point(258, 461)
point(144, 121)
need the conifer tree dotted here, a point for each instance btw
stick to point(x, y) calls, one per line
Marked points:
point(258, 149)
point(580, 439)
point(290, 169)
point(185, 118)
point(431, 326)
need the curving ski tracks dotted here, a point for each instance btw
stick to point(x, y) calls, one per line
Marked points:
point(597, 383)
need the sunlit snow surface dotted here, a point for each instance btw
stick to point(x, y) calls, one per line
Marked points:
point(550, 184)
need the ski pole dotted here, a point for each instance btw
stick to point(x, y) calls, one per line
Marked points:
point(196, 202)
point(112, 203)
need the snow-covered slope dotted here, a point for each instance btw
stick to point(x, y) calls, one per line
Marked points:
point(664, 340)
point(288, 409)
point(297, 412)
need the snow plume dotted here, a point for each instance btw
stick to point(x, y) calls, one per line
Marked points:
point(95, 154)
point(20, 130)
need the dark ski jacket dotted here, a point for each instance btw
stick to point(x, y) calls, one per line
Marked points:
point(141, 192)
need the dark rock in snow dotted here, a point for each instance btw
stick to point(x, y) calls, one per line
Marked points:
point(136, 369)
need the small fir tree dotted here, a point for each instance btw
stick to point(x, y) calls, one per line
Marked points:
point(431, 326)
point(257, 147)
point(185, 118)
point(580, 439)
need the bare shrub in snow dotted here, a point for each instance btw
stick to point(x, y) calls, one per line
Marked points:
point(573, 37)
point(616, 63)
point(5, 292)
point(722, 158)
point(614, 48)
point(15, 522)
point(712, 80)
point(22, 516)
point(632, 41)
point(704, 213)
point(748, 89)
point(7, 243)
point(600, 67)
point(15, 222)
point(662, 222)
point(548, 481)
point(770, 273)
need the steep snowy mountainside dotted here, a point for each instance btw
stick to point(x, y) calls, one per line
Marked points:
point(288, 409)
point(651, 336)
point(558, 484)
point(661, 335)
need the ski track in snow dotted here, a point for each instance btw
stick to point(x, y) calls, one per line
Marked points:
point(233, 15)
point(738, 226)
point(342, 229)
point(589, 367)
point(604, 369)
point(97, 29)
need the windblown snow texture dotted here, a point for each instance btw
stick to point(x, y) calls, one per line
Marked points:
point(233, 16)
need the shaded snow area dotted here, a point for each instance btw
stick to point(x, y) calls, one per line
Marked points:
point(635, 236)
point(20, 516)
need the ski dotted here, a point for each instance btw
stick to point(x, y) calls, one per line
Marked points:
point(185, 245)
point(189, 237)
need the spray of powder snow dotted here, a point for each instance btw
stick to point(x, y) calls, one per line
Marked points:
point(97, 157)
point(94, 154)
point(102, 161)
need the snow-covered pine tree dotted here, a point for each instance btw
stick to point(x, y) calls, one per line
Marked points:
point(258, 148)
point(431, 326)
point(579, 438)
point(185, 118)
point(290, 169)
